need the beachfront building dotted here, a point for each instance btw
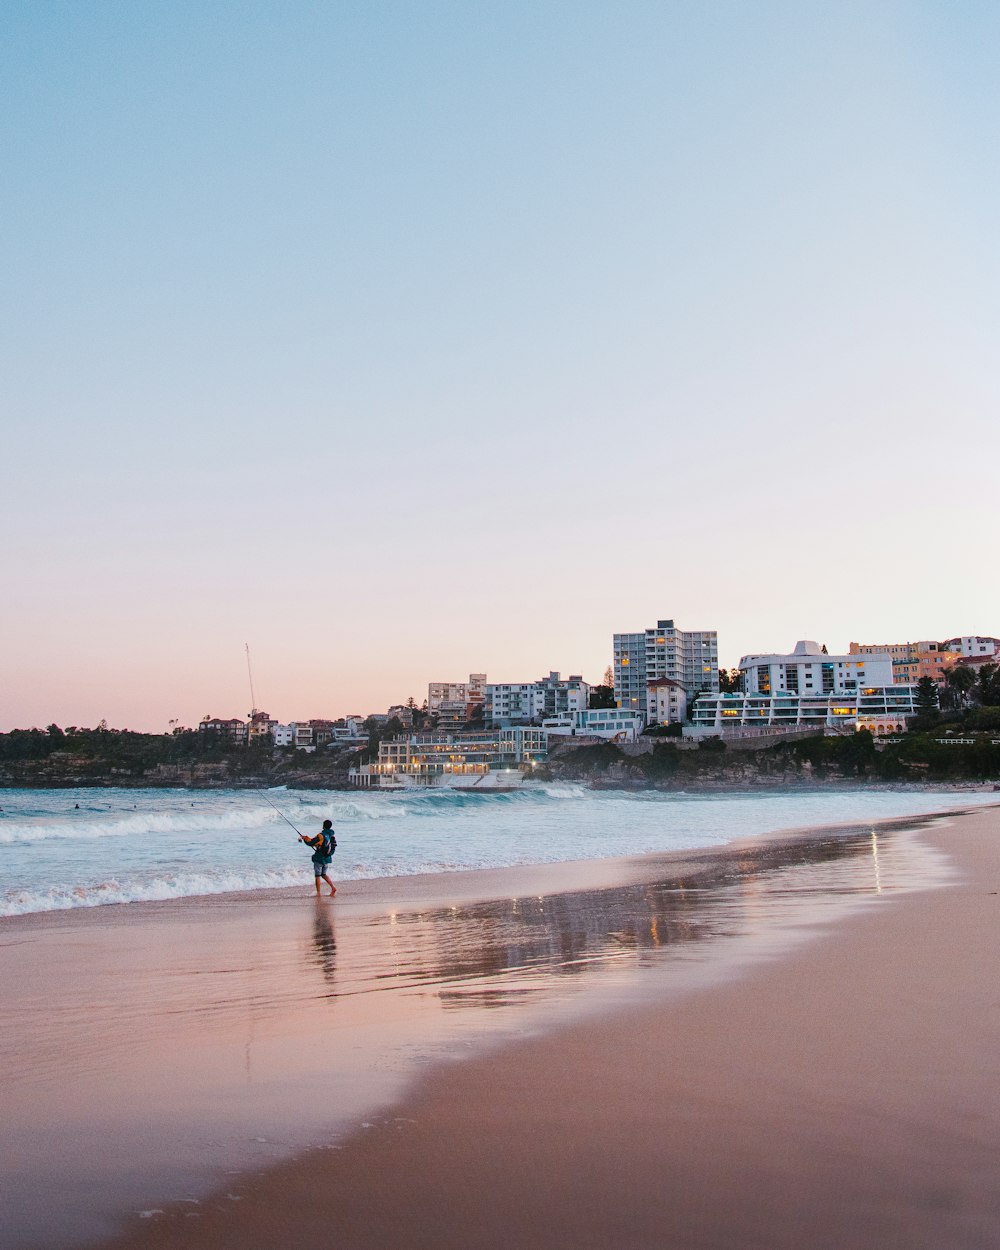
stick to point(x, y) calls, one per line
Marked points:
point(808, 670)
point(910, 660)
point(690, 658)
point(521, 703)
point(881, 709)
point(284, 735)
point(456, 759)
point(613, 723)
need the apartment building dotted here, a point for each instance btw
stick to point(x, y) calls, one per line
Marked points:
point(520, 703)
point(670, 699)
point(690, 658)
point(469, 694)
point(910, 660)
point(881, 709)
point(808, 670)
point(970, 647)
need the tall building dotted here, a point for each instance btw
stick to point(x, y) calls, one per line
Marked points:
point(690, 658)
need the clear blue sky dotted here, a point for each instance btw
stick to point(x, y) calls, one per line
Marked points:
point(403, 340)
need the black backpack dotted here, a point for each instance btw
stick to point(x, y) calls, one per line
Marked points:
point(329, 843)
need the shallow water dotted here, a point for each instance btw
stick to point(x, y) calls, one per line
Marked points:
point(61, 849)
point(188, 1041)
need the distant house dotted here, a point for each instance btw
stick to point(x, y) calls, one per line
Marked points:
point(261, 727)
point(234, 730)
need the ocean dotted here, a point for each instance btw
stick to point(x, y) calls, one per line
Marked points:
point(62, 849)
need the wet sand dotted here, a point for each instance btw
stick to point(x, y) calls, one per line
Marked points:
point(773, 1046)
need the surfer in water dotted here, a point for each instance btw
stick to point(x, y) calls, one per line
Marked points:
point(323, 844)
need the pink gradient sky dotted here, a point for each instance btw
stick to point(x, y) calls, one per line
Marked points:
point(402, 343)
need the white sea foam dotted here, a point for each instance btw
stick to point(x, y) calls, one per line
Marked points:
point(63, 849)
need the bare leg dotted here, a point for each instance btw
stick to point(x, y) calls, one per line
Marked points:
point(317, 884)
point(333, 888)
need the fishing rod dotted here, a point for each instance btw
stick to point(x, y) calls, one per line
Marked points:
point(280, 813)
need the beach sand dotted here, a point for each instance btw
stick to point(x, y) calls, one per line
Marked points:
point(774, 1046)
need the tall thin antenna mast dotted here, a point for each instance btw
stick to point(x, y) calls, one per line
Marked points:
point(253, 697)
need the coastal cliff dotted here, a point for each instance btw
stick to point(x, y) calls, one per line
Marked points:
point(41, 759)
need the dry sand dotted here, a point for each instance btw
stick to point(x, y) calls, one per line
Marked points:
point(842, 1096)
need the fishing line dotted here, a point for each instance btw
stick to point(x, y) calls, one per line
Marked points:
point(280, 813)
point(253, 713)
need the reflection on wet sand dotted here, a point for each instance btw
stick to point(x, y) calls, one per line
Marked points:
point(500, 952)
point(193, 1039)
point(324, 941)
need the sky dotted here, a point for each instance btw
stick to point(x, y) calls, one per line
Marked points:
point(401, 341)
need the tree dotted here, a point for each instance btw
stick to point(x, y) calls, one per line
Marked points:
point(601, 696)
point(988, 686)
point(823, 650)
point(960, 680)
point(927, 697)
point(730, 680)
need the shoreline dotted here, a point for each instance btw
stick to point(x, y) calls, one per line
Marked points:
point(764, 781)
point(284, 967)
point(835, 1094)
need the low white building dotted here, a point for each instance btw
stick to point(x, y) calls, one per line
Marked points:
point(882, 709)
point(456, 759)
point(614, 723)
point(808, 670)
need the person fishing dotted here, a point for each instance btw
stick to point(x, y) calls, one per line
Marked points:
point(323, 844)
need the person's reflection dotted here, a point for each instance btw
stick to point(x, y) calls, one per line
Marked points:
point(324, 941)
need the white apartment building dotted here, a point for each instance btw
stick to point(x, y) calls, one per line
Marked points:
point(597, 722)
point(518, 703)
point(468, 692)
point(690, 658)
point(882, 709)
point(807, 670)
point(972, 646)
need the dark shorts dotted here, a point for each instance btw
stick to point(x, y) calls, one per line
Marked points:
point(320, 866)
